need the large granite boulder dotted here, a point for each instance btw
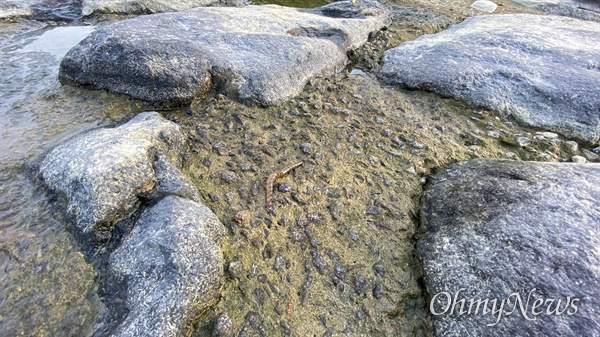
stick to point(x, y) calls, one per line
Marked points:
point(504, 230)
point(581, 9)
point(145, 6)
point(256, 54)
point(102, 172)
point(172, 266)
point(541, 70)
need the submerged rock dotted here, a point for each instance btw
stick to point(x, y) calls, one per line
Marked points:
point(172, 265)
point(102, 172)
point(541, 70)
point(503, 229)
point(257, 54)
point(581, 9)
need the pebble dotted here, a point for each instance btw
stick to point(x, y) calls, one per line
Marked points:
point(373, 210)
point(229, 177)
point(493, 134)
point(572, 146)
point(223, 326)
point(319, 262)
point(523, 141)
point(379, 268)
point(387, 132)
point(417, 144)
point(283, 187)
point(279, 261)
point(314, 217)
point(235, 269)
point(285, 328)
point(259, 295)
point(213, 196)
point(377, 290)
point(353, 235)
point(380, 120)
point(591, 156)
point(360, 283)
point(339, 271)
point(578, 159)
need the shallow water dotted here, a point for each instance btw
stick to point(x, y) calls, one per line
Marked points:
point(46, 286)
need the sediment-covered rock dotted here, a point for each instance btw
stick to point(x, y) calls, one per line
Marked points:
point(172, 266)
point(257, 54)
point(581, 9)
point(101, 173)
point(541, 70)
point(500, 230)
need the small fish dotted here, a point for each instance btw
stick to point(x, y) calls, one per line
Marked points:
point(271, 181)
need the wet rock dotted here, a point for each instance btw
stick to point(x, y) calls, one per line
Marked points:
point(172, 265)
point(147, 6)
point(581, 9)
point(171, 58)
point(101, 172)
point(517, 74)
point(495, 228)
point(223, 326)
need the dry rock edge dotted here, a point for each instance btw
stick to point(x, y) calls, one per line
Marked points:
point(544, 71)
point(498, 228)
point(257, 54)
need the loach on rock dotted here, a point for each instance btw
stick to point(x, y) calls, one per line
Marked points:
point(172, 266)
point(541, 70)
point(581, 9)
point(503, 230)
point(256, 54)
point(147, 6)
point(102, 172)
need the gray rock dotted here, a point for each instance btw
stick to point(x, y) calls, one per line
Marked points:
point(257, 54)
point(147, 6)
point(578, 159)
point(101, 173)
point(484, 6)
point(172, 265)
point(497, 228)
point(581, 9)
point(511, 63)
